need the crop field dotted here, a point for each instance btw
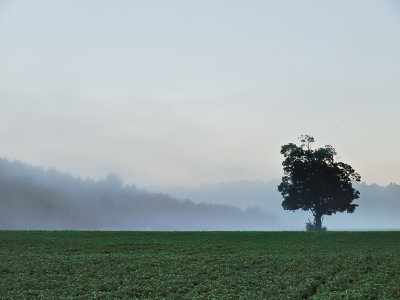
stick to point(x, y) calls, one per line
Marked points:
point(202, 265)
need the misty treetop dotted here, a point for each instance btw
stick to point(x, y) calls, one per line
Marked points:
point(313, 180)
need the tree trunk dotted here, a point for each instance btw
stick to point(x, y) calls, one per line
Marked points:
point(318, 222)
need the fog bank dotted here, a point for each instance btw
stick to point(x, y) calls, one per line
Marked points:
point(378, 205)
point(35, 198)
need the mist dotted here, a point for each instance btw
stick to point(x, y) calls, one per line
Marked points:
point(36, 198)
point(378, 205)
point(46, 199)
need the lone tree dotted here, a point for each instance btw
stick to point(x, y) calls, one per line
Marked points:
point(313, 180)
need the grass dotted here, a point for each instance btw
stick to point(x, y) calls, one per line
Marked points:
point(204, 265)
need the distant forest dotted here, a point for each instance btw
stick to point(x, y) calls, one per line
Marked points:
point(36, 198)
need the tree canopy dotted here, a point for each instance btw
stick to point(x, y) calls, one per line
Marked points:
point(313, 180)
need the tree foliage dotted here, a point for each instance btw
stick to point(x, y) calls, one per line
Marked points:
point(313, 180)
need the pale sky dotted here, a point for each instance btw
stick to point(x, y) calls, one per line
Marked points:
point(190, 92)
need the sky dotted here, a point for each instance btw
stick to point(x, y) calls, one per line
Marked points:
point(191, 92)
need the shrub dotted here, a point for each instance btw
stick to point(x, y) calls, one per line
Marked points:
point(310, 226)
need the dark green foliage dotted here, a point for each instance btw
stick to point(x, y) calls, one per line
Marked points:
point(313, 180)
point(199, 265)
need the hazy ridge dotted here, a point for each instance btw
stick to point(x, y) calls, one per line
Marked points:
point(35, 198)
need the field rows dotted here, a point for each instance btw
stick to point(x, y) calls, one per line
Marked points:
point(190, 265)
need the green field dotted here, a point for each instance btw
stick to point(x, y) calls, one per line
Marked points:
point(229, 265)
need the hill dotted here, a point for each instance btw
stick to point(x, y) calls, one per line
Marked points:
point(35, 198)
